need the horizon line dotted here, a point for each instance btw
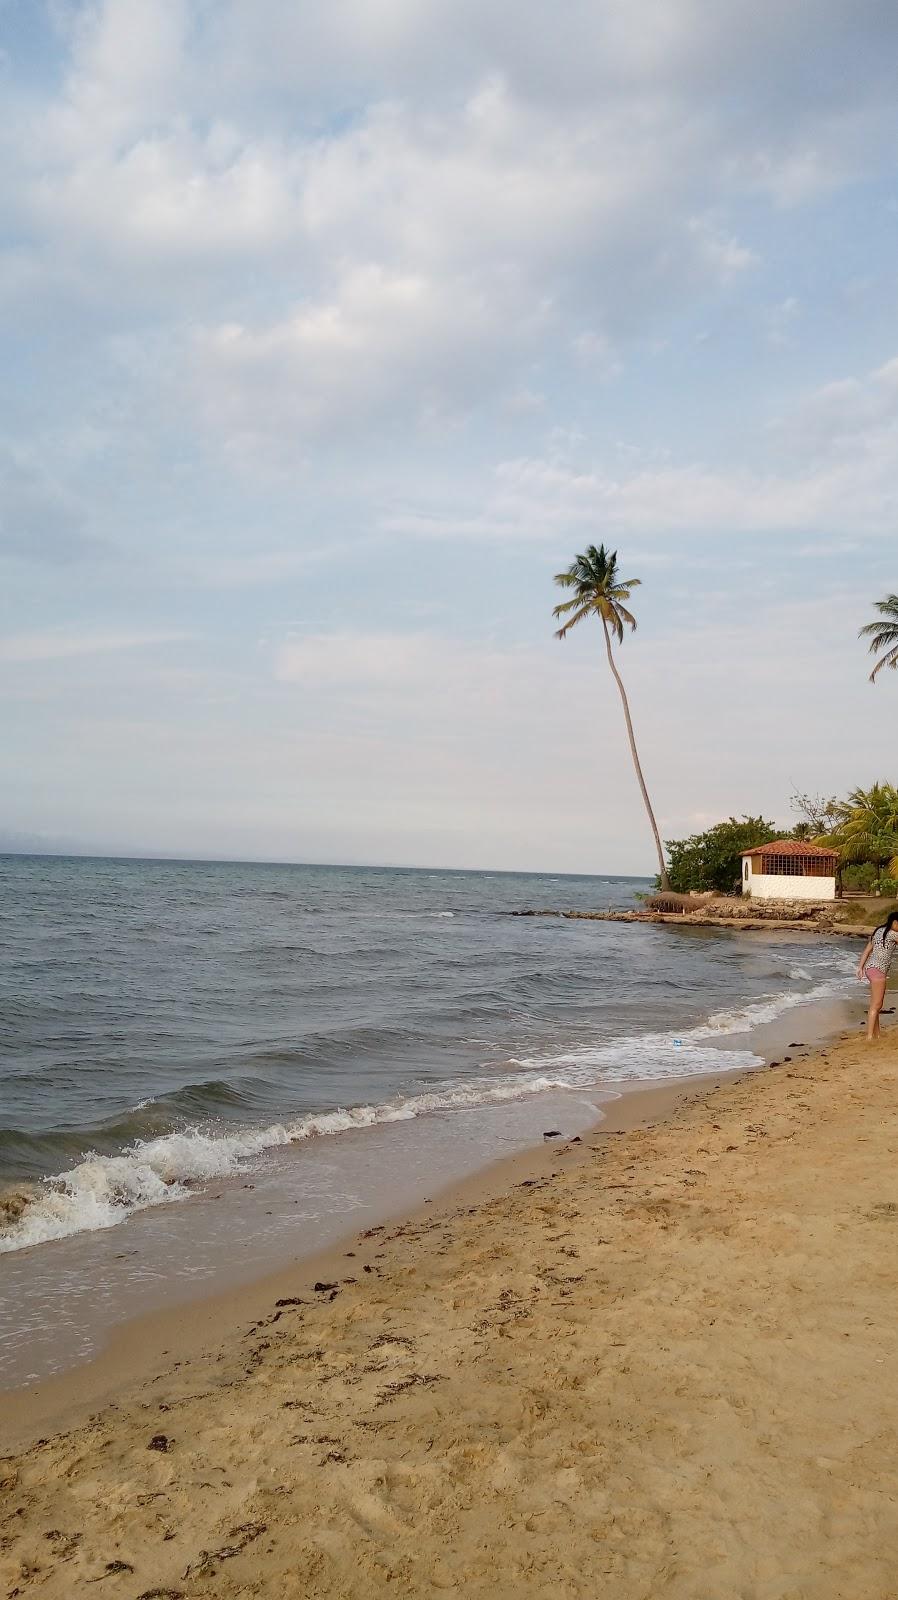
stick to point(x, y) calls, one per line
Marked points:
point(265, 861)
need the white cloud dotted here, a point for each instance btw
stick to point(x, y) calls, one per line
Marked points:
point(26, 648)
point(423, 246)
point(289, 285)
point(381, 339)
point(841, 442)
point(354, 660)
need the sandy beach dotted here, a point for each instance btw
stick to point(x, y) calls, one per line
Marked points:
point(660, 1361)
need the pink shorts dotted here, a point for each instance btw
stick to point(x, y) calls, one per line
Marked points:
point(873, 972)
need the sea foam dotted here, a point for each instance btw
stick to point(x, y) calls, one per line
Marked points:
point(104, 1190)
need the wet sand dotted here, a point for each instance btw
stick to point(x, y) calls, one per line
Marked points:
point(661, 1363)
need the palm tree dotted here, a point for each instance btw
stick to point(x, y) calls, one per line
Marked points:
point(599, 592)
point(884, 634)
point(867, 828)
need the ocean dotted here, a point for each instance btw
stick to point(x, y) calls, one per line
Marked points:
point(172, 1028)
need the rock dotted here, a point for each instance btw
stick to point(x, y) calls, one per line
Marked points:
point(160, 1441)
point(553, 1133)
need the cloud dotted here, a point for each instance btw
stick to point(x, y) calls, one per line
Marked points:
point(563, 184)
point(435, 680)
point(384, 338)
point(345, 313)
point(841, 441)
point(40, 521)
point(27, 648)
point(342, 660)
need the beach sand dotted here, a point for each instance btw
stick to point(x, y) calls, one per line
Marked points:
point(662, 1362)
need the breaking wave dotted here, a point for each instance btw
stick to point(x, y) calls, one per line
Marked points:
point(103, 1190)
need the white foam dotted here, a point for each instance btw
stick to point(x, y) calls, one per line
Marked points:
point(768, 1009)
point(102, 1191)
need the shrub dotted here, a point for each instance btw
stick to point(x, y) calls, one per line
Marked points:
point(713, 860)
point(861, 875)
point(672, 902)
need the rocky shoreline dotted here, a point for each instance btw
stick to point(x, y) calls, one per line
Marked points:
point(822, 919)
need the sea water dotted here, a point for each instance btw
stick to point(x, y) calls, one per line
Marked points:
point(301, 1032)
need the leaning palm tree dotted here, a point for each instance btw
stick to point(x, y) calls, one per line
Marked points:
point(883, 634)
point(599, 592)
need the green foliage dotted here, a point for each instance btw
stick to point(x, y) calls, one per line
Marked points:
point(867, 878)
point(883, 635)
point(867, 828)
point(861, 877)
point(713, 860)
point(598, 591)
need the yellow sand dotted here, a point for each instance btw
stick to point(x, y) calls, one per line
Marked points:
point(670, 1370)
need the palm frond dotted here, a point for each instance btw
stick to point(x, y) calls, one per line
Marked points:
point(578, 616)
point(888, 660)
point(883, 635)
point(880, 630)
point(592, 575)
point(609, 613)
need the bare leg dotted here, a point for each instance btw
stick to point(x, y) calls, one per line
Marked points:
point(877, 996)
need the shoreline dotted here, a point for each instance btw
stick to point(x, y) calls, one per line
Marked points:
point(134, 1348)
point(806, 923)
point(667, 1361)
point(130, 1342)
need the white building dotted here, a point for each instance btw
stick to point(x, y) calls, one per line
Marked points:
point(789, 869)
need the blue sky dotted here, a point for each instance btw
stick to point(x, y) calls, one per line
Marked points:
point(328, 339)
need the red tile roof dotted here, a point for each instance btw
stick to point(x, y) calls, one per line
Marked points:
point(792, 847)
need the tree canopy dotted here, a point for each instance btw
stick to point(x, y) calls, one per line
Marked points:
point(867, 827)
point(598, 592)
point(713, 859)
point(883, 634)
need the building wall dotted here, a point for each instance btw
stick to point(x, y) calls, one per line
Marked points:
point(787, 886)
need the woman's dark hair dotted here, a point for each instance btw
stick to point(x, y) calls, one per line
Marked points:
point(884, 929)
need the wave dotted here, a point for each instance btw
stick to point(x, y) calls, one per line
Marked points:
point(104, 1190)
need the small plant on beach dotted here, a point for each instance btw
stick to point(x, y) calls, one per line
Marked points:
point(600, 592)
point(883, 635)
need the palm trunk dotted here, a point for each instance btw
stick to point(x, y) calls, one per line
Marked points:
point(662, 868)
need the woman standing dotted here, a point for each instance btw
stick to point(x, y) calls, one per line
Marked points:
point(874, 966)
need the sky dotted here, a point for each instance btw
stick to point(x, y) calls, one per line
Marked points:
point(328, 335)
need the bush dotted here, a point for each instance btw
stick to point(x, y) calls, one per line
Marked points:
point(862, 876)
point(713, 860)
point(868, 878)
point(672, 902)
